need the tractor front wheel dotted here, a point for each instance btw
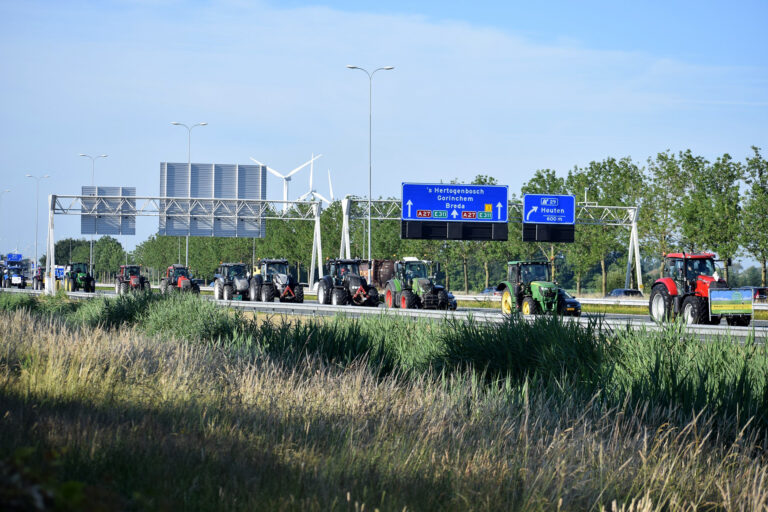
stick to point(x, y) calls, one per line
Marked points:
point(124, 287)
point(299, 291)
point(267, 293)
point(693, 311)
point(339, 297)
point(254, 293)
point(739, 321)
point(530, 306)
point(373, 297)
point(407, 300)
point(228, 292)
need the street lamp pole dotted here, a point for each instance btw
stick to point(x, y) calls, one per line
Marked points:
point(1, 211)
point(370, 166)
point(37, 207)
point(189, 168)
point(93, 184)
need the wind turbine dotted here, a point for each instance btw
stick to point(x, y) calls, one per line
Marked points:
point(312, 193)
point(330, 185)
point(287, 177)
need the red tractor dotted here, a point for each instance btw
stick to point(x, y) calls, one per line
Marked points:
point(129, 278)
point(689, 286)
point(178, 278)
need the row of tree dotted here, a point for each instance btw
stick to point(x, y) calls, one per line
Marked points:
point(685, 203)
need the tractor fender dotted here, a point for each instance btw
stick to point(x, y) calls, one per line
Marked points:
point(396, 285)
point(669, 283)
point(504, 285)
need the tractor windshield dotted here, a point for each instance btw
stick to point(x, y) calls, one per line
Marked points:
point(415, 270)
point(534, 272)
point(348, 268)
point(131, 271)
point(180, 272)
point(277, 268)
point(80, 268)
point(695, 268)
point(236, 272)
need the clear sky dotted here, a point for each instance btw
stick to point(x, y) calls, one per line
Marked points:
point(498, 88)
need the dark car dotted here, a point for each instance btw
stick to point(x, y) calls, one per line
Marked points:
point(570, 306)
point(625, 292)
point(491, 291)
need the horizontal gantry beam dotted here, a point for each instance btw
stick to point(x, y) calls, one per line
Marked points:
point(179, 207)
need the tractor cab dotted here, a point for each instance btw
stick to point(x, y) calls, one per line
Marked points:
point(342, 269)
point(78, 268)
point(527, 272)
point(129, 271)
point(410, 269)
point(274, 267)
point(692, 273)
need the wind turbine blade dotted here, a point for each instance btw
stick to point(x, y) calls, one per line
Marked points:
point(255, 160)
point(302, 198)
point(303, 165)
point(311, 172)
point(330, 185)
point(269, 169)
point(321, 197)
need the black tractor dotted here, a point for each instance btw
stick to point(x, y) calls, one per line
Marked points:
point(344, 285)
point(233, 282)
point(273, 279)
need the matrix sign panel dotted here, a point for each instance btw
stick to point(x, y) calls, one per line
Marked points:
point(730, 302)
point(97, 222)
point(211, 181)
point(549, 209)
point(454, 203)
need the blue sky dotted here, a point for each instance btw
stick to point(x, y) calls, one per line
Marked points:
point(494, 88)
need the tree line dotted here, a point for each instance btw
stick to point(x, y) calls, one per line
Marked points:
point(685, 203)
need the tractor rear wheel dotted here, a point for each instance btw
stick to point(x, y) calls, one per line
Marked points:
point(660, 304)
point(299, 291)
point(254, 293)
point(407, 300)
point(117, 287)
point(163, 286)
point(530, 306)
point(390, 298)
point(507, 302)
point(693, 311)
point(228, 292)
point(322, 293)
point(373, 297)
point(339, 297)
point(442, 300)
point(124, 287)
point(267, 293)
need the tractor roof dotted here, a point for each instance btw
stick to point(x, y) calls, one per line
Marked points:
point(340, 260)
point(129, 266)
point(272, 260)
point(410, 258)
point(231, 264)
point(177, 265)
point(696, 256)
point(523, 262)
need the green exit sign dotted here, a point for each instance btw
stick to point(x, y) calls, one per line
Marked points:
point(484, 215)
point(439, 214)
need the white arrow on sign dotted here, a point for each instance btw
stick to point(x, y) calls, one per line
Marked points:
point(454, 214)
point(533, 209)
point(498, 206)
point(409, 203)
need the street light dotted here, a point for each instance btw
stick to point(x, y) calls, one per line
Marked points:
point(37, 207)
point(1, 211)
point(370, 122)
point(189, 167)
point(93, 184)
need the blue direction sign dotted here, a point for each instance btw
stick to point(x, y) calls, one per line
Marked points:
point(459, 203)
point(14, 256)
point(549, 209)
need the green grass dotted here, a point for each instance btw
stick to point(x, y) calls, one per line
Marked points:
point(148, 403)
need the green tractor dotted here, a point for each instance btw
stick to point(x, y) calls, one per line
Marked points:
point(77, 277)
point(411, 287)
point(529, 289)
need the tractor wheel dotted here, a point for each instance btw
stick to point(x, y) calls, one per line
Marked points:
point(163, 286)
point(390, 298)
point(339, 297)
point(196, 289)
point(218, 293)
point(693, 311)
point(117, 287)
point(124, 288)
point(660, 304)
point(228, 292)
point(373, 297)
point(254, 293)
point(299, 291)
point(530, 306)
point(407, 300)
point(442, 300)
point(507, 302)
point(739, 321)
point(322, 293)
point(267, 293)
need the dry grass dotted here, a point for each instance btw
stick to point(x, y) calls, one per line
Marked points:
point(118, 420)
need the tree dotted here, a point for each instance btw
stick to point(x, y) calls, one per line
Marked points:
point(108, 255)
point(754, 226)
